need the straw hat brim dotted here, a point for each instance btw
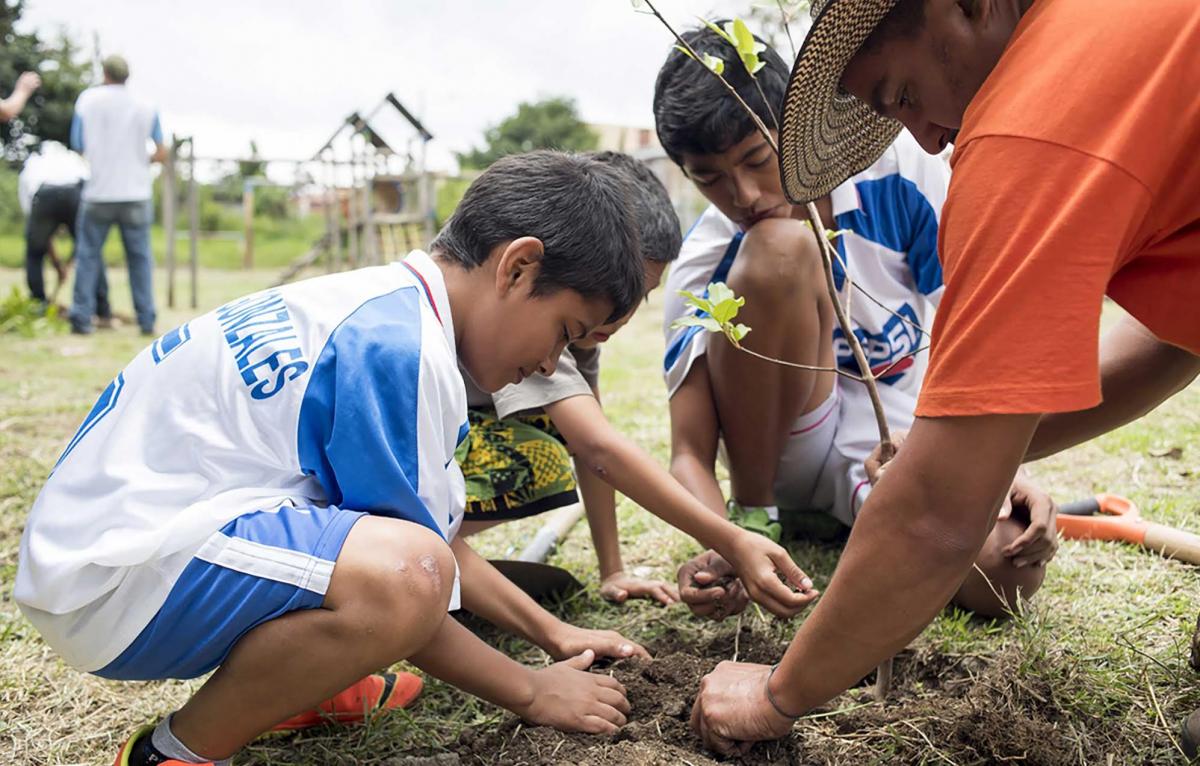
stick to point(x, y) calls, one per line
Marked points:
point(826, 134)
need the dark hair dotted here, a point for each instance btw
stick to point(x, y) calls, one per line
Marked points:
point(576, 205)
point(657, 224)
point(904, 20)
point(695, 114)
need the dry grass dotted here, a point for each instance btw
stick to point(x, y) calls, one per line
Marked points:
point(1094, 671)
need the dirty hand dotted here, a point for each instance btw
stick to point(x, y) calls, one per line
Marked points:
point(28, 82)
point(709, 587)
point(732, 710)
point(760, 564)
point(568, 698)
point(619, 586)
point(875, 464)
point(568, 641)
point(1039, 542)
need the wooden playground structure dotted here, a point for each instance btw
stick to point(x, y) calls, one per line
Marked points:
point(376, 196)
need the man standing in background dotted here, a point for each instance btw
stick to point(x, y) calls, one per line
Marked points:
point(111, 128)
point(49, 190)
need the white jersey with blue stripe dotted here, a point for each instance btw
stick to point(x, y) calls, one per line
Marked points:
point(341, 390)
point(891, 212)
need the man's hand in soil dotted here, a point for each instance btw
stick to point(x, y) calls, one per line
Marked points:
point(618, 587)
point(710, 589)
point(766, 570)
point(569, 698)
point(732, 710)
point(567, 640)
point(1039, 542)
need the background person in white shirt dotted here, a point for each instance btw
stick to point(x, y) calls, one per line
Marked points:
point(112, 129)
point(48, 190)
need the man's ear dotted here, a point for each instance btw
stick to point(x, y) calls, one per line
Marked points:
point(518, 266)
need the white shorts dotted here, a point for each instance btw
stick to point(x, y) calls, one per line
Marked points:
point(813, 474)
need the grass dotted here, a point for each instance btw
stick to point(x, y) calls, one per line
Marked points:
point(1104, 643)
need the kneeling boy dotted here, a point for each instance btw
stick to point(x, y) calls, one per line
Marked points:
point(270, 489)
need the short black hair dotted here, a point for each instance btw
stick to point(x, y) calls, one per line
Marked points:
point(657, 223)
point(904, 20)
point(576, 205)
point(695, 114)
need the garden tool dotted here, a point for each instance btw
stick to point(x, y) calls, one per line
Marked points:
point(1115, 518)
point(529, 572)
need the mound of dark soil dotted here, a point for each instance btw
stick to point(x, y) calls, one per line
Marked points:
point(941, 709)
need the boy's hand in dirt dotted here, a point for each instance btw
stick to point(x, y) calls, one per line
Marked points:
point(766, 570)
point(619, 587)
point(709, 587)
point(732, 710)
point(1039, 542)
point(568, 698)
point(567, 640)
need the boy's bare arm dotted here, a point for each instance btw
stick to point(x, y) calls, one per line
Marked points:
point(624, 465)
point(694, 433)
point(563, 695)
point(495, 598)
point(1137, 373)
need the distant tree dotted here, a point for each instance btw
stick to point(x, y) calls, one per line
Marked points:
point(551, 123)
point(64, 72)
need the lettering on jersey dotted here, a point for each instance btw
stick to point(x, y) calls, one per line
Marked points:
point(264, 343)
point(885, 351)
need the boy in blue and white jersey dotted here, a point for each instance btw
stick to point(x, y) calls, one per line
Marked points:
point(271, 489)
point(800, 439)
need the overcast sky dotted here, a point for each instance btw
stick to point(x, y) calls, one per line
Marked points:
point(285, 72)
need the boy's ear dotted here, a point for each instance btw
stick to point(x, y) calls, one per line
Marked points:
point(519, 263)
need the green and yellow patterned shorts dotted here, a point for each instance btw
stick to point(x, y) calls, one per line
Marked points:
point(515, 467)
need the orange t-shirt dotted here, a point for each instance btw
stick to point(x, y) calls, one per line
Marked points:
point(1076, 174)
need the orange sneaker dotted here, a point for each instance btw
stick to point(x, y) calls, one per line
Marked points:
point(123, 755)
point(368, 698)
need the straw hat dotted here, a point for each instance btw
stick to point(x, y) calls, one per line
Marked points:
point(827, 135)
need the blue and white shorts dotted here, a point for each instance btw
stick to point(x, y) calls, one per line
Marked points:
point(258, 567)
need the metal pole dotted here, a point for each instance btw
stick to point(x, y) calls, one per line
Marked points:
point(169, 197)
point(193, 221)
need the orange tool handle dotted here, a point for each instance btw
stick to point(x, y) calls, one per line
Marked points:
point(1116, 519)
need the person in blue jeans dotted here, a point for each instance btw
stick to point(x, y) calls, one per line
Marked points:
point(113, 130)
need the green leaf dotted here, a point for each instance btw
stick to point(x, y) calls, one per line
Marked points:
point(724, 34)
point(716, 64)
point(738, 331)
point(696, 301)
point(685, 52)
point(831, 235)
point(691, 320)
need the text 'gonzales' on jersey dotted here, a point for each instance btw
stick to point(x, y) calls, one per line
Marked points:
point(259, 331)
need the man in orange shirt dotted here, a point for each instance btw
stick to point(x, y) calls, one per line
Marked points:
point(1076, 126)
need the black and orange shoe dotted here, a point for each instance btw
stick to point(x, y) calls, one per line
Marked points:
point(366, 699)
point(137, 751)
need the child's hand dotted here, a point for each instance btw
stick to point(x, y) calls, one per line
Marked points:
point(875, 464)
point(619, 586)
point(708, 586)
point(568, 698)
point(568, 640)
point(760, 564)
point(1039, 542)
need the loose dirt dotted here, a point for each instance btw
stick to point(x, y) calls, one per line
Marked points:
point(942, 709)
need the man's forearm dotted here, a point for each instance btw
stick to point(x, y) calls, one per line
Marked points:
point(910, 549)
point(458, 657)
point(1137, 373)
point(492, 596)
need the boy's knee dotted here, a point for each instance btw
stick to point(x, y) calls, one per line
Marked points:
point(994, 585)
point(778, 260)
point(394, 570)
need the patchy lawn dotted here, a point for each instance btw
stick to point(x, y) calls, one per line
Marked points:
point(1094, 671)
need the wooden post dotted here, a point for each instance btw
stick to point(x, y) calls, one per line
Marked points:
point(336, 206)
point(193, 222)
point(169, 197)
point(248, 224)
point(330, 225)
point(370, 235)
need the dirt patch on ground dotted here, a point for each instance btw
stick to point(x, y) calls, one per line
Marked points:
point(942, 708)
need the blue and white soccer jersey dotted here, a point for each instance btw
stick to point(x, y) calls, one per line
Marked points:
point(250, 438)
point(891, 211)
